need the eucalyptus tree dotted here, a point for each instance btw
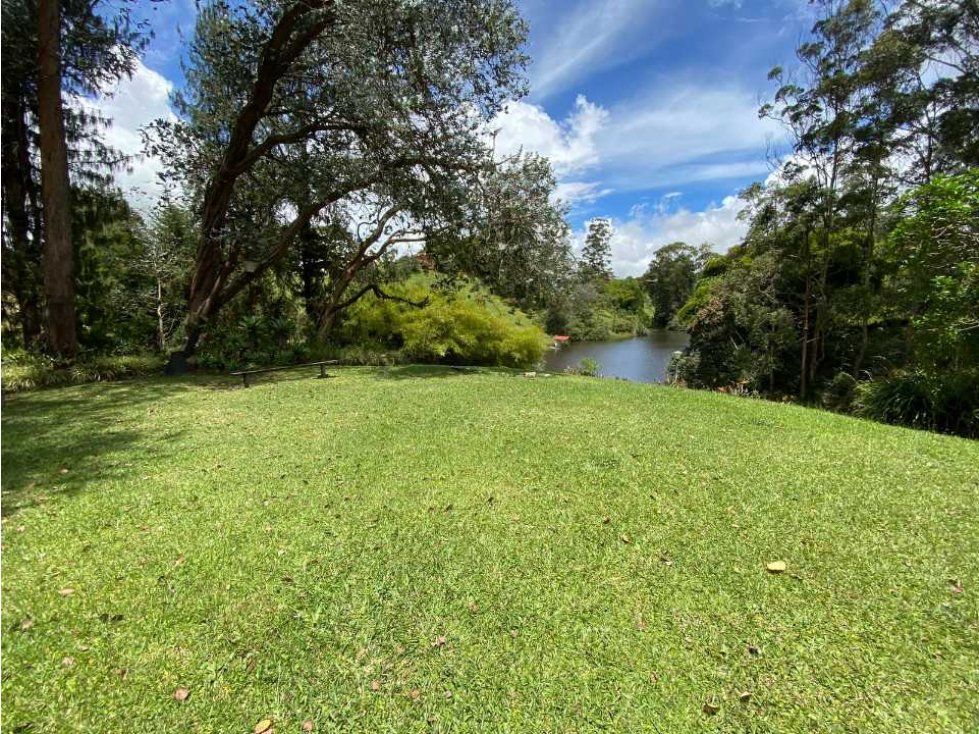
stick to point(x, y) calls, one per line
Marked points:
point(294, 106)
point(596, 255)
point(514, 236)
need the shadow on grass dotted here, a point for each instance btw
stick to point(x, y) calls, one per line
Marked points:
point(425, 371)
point(59, 442)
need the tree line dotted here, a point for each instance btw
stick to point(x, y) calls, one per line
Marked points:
point(857, 285)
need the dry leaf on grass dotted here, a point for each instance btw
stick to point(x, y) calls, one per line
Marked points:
point(181, 694)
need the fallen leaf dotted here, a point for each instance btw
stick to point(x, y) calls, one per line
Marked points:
point(710, 708)
point(957, 589)
point(606, 520)
point(263, 726)
point(66, 592)
point(181, 694)
point(513, 634)
point(68, 661)
point(27, 624)
point(753, 651)
point(122, 672)
point(473, 607)
point(625, 539)
point(180, 561)
point(777, 567)
point(307, 725)
point(414, 694)
point(745, 697)
point(375, 685)
point(448, 695)
point(439, 641)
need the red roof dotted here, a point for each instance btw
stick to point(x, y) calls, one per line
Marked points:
point(562, 338)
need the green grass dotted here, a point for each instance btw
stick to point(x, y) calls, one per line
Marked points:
point(593, 553)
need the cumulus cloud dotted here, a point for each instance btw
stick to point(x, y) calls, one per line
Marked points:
point(569, 144)
point(131, 105)
point(637, 238)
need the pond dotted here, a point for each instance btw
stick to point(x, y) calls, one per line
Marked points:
point(641, 359)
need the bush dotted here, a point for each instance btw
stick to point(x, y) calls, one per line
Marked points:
point(938, 402)
point(467, 325)
point(23, 371)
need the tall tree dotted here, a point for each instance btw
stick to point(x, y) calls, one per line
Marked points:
point(671, 277)
point(292, 107)
point(596, 255)
point(87, 46)
point(57, 255)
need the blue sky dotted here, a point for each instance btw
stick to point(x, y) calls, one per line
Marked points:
point(646, 108)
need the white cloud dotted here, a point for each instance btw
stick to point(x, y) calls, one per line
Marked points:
point(636, 239)
point(580, 192)
point(131, 105)
point(570, 145)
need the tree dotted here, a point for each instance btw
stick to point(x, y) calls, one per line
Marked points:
point(85, 48)
point(596, 255)
point(293, 107)
point(514, 238)
point(57, 256)
point(671, 277)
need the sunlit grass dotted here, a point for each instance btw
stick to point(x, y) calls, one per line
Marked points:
point(420, 549)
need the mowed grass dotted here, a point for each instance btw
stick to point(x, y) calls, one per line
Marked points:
point(413, 549)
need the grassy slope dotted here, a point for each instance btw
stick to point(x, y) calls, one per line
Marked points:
point(277, 550)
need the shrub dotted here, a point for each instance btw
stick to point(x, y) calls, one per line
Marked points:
point(23, 371)
point(947, 402)
point(466, 325)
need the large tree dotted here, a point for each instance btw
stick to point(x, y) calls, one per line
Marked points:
point(596, 255)
point(52, 51)
point(292, 108)
point(671, 277)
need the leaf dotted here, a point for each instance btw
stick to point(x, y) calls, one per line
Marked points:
point(753, 651)
point(710, 708)
point(745, 697)
point(181, 694)
point(375, 685)
point(414, 694)
point(606, 520)
point(777, 567)
point(68, 661)
point(625, 539)
point(66, 591)
point(263, 726)
point(27, 624)
point(307, 725)
point(439, 641)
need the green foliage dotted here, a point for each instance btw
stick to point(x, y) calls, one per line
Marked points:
point(600, 309)
point(671, 277)
point(587, 367)
point(596, 256)
point(946, 402)
point(465, 325)
point(26, 371)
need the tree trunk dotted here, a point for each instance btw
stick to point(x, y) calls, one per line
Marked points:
point(57, 255)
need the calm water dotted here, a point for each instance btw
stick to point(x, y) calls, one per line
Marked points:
point(643, 359)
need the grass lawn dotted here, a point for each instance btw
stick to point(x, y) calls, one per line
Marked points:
point(425, 550)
